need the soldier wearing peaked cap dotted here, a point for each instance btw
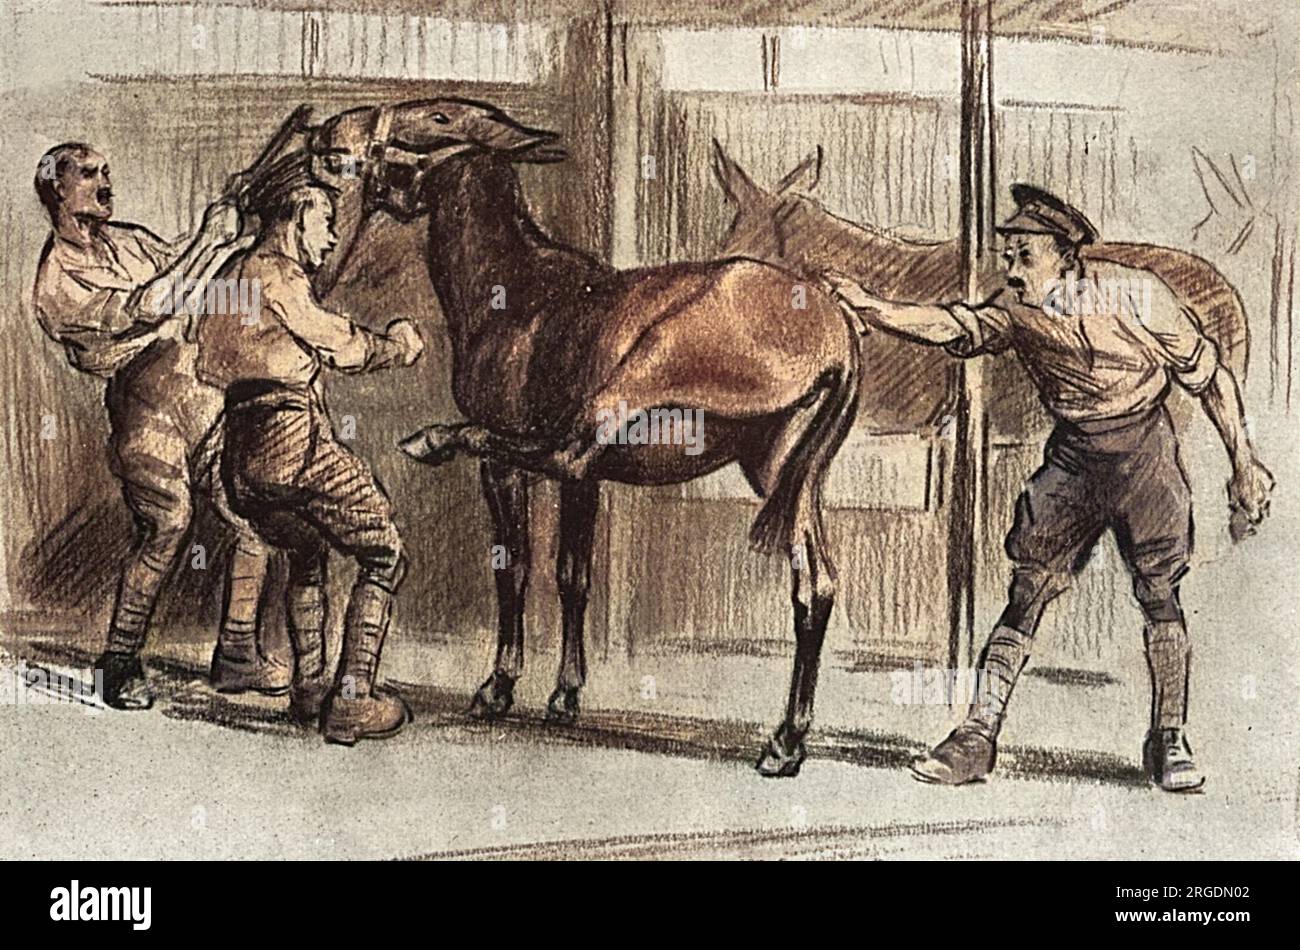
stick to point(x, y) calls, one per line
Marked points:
point(1103, 346)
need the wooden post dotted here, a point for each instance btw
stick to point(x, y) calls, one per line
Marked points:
point(978, 187)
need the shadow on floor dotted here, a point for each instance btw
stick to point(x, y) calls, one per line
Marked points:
point(182, 693)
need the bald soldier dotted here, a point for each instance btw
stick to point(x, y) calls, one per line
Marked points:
point(1103, 345)
point(286, 472)
point(106, 291)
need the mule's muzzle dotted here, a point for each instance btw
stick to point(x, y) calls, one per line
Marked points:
point(537, 147)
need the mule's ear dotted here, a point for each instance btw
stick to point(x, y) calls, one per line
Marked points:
point(739, 187)
point(804, 176)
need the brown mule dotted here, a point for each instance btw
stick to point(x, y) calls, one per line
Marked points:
point(787, 227)
point(550, 344)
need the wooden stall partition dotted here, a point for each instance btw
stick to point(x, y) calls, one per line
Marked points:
point(174, 124)
point(688, 578)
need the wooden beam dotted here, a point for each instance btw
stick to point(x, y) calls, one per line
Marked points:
point(978, 185)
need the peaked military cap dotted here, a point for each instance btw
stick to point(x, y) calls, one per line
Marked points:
point(1041, 212)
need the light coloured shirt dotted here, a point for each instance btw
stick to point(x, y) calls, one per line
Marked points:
point(1108, 353)
point(288, 336)
point(84, 295)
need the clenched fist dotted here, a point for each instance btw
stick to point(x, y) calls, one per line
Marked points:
point(221, 222)
point(1248, 492)
point(405, 334)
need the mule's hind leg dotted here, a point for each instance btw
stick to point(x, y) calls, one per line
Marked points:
point(813, 597)
point(790, 476)
point(579, 502)
point(506, 491)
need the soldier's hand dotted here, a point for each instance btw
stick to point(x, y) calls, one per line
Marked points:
point(1248, 496)
point(156, 300)
point(850, 291)
point(221, 222)
point(861, 307)
point(407, 336)
point(240, 245)
point(173, 328)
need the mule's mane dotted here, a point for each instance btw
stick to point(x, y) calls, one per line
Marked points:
point(488, 186)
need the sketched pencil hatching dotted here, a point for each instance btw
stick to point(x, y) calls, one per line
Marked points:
point(881, 353)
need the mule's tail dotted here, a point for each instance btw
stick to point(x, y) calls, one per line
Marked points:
point(806, 466)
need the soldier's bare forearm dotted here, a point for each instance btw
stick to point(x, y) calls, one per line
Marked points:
point(187, 276)
point(1251, 483)
point(220, 229)
point(210, 265)
point(157, 299)
point(921, 323)
point(1222, 402)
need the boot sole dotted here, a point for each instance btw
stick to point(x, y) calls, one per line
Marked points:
point(307, 718)
point(1179, 789)
point(1149, 767)
point(127, 707)
point(260, 690)
point(352, 738)
point(927, 779)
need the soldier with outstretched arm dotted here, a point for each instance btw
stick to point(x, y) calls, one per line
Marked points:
point(108, 293)
point(1103, 359)
point(291, 478)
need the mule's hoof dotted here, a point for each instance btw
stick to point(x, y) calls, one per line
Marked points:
point(562, 707)
point(781, 758)
point(493, 699)
point(432, 445)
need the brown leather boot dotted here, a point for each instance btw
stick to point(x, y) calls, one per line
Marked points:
point(971, 751)
point(122, 683)
point(239, 666)
point(306, 700)
point(1168, 763)
point(357, 708)
point(967, 755)
point(378, 715)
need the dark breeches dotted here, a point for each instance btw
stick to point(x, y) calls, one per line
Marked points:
point(1130, 481)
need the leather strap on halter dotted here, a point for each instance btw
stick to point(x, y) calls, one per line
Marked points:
point(377, 147)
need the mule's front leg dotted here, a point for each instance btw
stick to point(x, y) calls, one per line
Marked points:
point(579, 502)
point(813, 597)
point(506, 491)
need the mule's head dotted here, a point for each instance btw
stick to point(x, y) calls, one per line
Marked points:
point(762, 218)
point(393, 150)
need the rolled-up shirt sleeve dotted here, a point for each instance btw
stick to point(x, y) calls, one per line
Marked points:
point(93, 317)
point(985, 328)
point(1179, 342)
point(338, 341)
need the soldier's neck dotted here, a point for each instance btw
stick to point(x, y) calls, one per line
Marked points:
point(84, 232)
point(282, 241)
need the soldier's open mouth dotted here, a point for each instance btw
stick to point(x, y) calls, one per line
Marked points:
point(104, 195)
